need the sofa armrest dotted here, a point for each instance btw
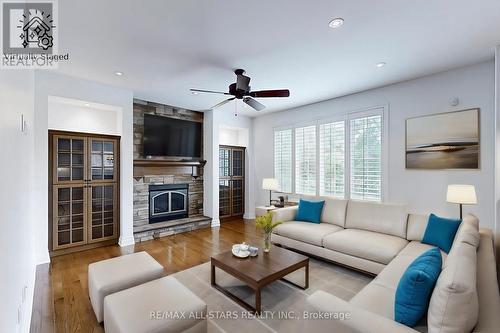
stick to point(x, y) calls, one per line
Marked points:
point(285, 214)
point(487, 285)
point(355, 319)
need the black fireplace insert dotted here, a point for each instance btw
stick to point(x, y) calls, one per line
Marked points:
point(168, 202)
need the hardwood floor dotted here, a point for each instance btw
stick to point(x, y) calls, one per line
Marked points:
point(61, 301)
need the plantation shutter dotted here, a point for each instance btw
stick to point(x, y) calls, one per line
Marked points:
point(366, 158)
point(305, 160)
point(332, 159)
point(283, 159)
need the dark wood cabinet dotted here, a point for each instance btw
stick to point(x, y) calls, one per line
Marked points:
point(231, 181)
point(83, 181)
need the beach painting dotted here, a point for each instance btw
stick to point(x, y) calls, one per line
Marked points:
point(443, 141)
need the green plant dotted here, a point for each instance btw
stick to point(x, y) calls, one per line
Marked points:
point(265, 222)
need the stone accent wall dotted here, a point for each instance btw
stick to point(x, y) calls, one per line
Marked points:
point(142, 107)
point(174, 176)
point(141, 194)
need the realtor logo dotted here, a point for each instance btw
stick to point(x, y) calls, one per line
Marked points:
point(28, 27)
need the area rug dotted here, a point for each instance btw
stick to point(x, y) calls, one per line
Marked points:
point(282, 303)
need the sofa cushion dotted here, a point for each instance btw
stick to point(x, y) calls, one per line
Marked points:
point(393, 272)
point(334, 210)
point(379, 296)
point(441, 232)
point(454, 302)
point(390, 219)
point(311, 233)
point(309, 211)
point(468, 233)
point(377, 299)
point(417, 223)
point(364, 244)
point(415, 287)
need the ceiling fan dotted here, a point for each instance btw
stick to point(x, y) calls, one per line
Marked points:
point(241, 90)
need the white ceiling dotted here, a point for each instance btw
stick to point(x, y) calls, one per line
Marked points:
point(166, 47)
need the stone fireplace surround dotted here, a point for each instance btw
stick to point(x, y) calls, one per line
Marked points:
point(145, 175)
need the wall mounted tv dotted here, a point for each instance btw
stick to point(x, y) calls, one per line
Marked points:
point(171, 137)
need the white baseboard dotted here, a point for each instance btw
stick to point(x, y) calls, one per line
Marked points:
point(126, 241)
point(43, 258)
point(249, 217)
point(215, 223)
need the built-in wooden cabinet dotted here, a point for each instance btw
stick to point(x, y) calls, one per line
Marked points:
point(84, 185)
point(231, 181)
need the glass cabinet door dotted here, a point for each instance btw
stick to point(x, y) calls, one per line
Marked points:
point(102, 160)
point(69, 215)
point(102, 212)
point(238, 163)
point(224, 198)
point(237, 197)
point(69, 159)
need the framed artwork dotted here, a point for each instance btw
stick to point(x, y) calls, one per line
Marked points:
point(443, 141)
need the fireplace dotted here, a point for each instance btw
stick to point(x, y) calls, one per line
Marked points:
point(168, 202)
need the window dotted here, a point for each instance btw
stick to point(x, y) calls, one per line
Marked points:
point(332, 159)
point(305, 160)
point(339, 158)
point(283, 159)
point(366, 158)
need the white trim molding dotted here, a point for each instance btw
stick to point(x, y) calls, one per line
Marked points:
point(215, 223)
point(126, 241)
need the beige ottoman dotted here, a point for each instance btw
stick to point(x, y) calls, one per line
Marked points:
point(160, 306)
point(116, 274)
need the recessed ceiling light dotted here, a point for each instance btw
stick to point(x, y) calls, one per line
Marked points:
point(87, 105)
point(194, 92)
point(380, 64)
point(118, 73)
point(336, 23)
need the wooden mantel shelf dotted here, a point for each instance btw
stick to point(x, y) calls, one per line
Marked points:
point(144, 167)
point(165, 163)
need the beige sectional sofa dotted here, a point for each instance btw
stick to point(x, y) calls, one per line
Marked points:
point(383, 239)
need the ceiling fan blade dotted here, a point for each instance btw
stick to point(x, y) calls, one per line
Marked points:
point(209, 91)
point(222, 103)
point(242, 82)
point(253, 103)
point(270, 93)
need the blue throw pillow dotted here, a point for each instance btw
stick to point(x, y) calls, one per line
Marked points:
point(441, 232)
point(415, 287)
point(309, 211)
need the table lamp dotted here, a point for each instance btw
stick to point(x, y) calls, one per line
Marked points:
point(270, 184)
point(462, 195)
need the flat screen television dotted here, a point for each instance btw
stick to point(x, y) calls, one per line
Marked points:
point(171, 137)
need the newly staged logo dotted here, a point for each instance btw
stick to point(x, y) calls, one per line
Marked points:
point(29, 35)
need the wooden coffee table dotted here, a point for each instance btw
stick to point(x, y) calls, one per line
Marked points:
point(257, 272)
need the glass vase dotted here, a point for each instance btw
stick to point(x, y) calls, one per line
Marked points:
point(267, 242)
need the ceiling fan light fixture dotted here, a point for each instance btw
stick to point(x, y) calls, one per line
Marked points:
point(336, 23)
point(380, 64)
point(118, 73)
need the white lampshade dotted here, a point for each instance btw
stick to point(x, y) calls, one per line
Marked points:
point(461, 194)
point(270, 184)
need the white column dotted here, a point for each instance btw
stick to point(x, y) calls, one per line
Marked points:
point(211, 170)
point(126, 177)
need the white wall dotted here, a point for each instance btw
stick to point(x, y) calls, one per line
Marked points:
point(234, 136)
point(51, 84)
point(423, 190)
point(81, 116)
point(497, 153)
point(17, 216)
